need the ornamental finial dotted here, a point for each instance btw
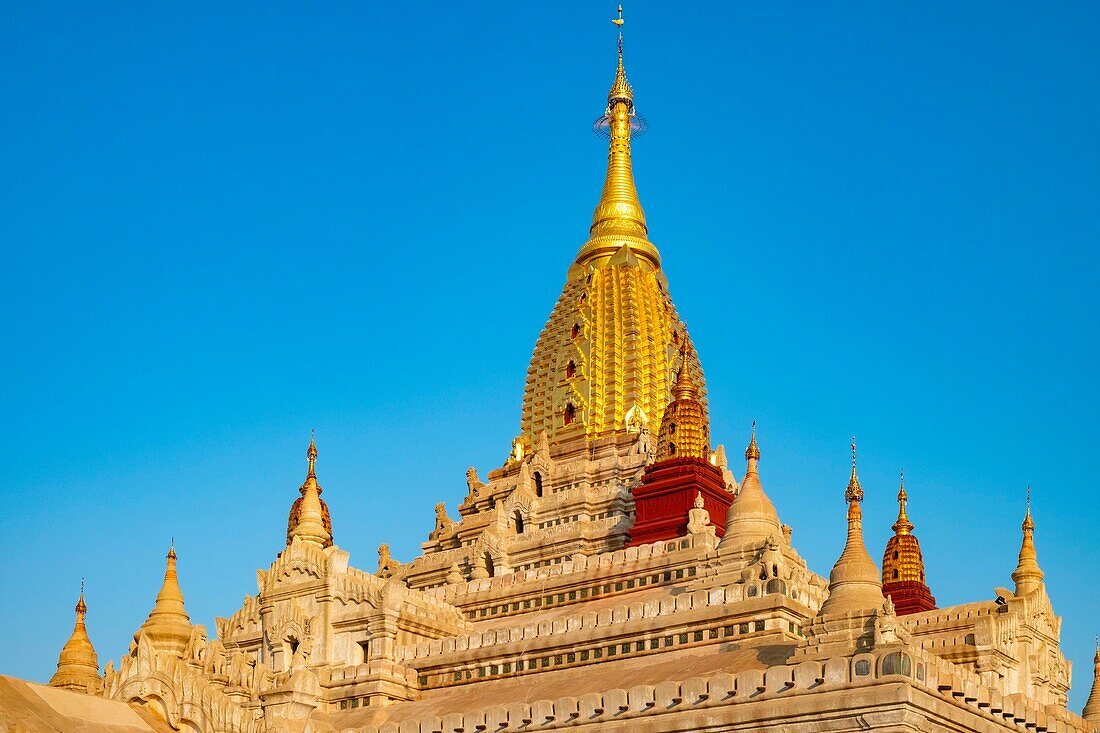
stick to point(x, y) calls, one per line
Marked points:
point(1029, 523)
point(81, 607)
point(752, 453)
point(903, 525)
point(854, 492)
point(311, 454)
point(684, 389)
point(620, 90)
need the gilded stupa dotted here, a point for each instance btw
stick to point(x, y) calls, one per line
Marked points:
point(78, 664)
point(610, 574)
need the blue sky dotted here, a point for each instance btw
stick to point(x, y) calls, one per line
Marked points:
point(226, 225)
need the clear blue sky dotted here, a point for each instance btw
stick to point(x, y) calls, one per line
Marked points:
point(223, 226)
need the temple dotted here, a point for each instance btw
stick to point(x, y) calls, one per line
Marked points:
point(614, 573)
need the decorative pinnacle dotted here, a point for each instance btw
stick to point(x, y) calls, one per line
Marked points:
point(903, 525)
point(620, 89)
point(752, 453)
point(81, 607)
point(854, 492)
point(684, 389)
point(1029, 523)
point(311, 454)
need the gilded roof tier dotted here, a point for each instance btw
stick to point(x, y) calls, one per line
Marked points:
point(607, 357)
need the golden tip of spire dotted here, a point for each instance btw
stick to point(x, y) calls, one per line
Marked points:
point(684, 389)
point(311, 455)
point(854, 492)
point(620, 89)
point(752, 453)
point(902, 525)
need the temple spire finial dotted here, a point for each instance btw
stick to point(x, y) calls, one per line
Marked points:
point(311, 455)
point(684, 389)
point(620, 89)
point(854, 492)
point(752, 452)
point(903, 525)
point(618, 221)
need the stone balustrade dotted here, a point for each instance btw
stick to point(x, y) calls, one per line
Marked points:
point(578, 563)
point(644, 702)
point(624, 613)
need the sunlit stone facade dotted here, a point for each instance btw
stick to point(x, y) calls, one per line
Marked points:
point(536, 609)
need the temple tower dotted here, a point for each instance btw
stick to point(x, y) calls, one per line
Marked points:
point(607, 357)
point(309, 515)
point(78, 664)
point(1028, 576)
point(854, 583)
point(683, 473)
point(751, 518)
point(168, 626)
point(903, 565)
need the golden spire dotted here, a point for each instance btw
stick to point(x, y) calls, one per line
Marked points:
point(903, 525)
point(1028, 575)
point(78, 664)
point(751, 518)
point(854, 583)
point(307, 516)
point(168, 626)
point(619, 220)
point(1091, 712)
